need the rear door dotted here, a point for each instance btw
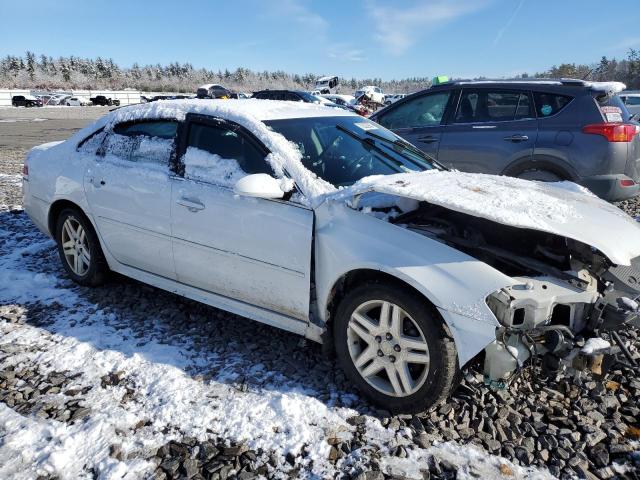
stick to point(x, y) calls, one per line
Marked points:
point(490, 129)
point(419, 120)
point(128, 188)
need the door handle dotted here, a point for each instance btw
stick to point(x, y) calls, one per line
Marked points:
point(517, 138)
point(192, 205)
point(428, 139)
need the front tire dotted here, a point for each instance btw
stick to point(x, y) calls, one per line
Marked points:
point(79, 248)
point(394, 347)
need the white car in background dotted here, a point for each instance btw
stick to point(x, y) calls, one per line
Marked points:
point(374, 93)
point(340, 99)
point(76, 102)
point(389, 99)
point(631, 100)
point(323, 223)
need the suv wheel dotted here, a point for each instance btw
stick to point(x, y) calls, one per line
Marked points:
point(394, 347)
point(79, 248)
point(540, 175)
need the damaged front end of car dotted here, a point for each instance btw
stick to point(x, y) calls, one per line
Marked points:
point(565, 297)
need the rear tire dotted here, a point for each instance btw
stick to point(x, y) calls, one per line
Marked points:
point(394, 347)
point(79, 248)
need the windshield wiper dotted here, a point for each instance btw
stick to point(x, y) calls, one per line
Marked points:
point(371, 144)
point(400, 142)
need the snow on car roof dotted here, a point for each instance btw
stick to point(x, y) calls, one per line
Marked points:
point(261, 110)
point(285, 158)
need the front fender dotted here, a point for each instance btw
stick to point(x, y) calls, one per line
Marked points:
point(457, 284)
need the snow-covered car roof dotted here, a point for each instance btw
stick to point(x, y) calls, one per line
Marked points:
point(262, 110)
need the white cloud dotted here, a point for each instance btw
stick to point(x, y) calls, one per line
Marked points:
point(398, 29)
point(346, 53)
point(298, 12)
point(626, 44)
point(508, 24)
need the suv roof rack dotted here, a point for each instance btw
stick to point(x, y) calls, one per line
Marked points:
point(614, 87)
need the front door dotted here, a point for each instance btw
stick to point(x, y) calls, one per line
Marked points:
point(128, 187)
point(250, 249)
point(489, 130)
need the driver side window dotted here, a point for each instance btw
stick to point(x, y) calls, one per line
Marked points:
point(221, 155)
point(424, 111)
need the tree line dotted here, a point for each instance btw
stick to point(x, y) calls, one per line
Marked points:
point(43, 72)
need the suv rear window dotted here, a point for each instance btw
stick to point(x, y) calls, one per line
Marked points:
point(548, 104)
point(613, 101)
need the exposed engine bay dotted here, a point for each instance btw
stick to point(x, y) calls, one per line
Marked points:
point(564, 295)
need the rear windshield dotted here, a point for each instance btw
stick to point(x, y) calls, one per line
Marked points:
point(612, 107)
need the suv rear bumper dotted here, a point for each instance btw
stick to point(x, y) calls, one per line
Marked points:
point(610, 187)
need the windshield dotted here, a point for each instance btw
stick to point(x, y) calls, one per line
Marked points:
point(308, 97)
point(342, 150)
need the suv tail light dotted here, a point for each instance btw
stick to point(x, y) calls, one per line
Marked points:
point(25, 171)
point(613, 132)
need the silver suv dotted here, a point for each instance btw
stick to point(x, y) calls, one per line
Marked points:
point(547, 130)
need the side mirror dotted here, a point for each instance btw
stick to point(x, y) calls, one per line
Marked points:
point(259, 185)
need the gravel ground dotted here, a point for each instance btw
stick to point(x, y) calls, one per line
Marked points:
point(73, 358)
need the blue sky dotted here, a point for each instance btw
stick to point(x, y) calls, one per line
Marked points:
point(361, 38)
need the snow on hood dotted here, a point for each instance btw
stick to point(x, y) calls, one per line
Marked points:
point(561, 208)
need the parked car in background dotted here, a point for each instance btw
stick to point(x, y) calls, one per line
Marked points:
point(327, 85)
point(548, 130)
point(344, 234)
point(373, 93)
point(340, 99)
point(346, 101)
point(76, 102)
point(287, 95)
point(631, 100)
point(389, 99)
point(213, 90)
point(103, 100)
point(25, 101)
point(58, 99)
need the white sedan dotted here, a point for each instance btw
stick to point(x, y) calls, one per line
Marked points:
point(76, 102)
point(323, 223)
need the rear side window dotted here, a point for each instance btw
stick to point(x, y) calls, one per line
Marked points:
point(613, 109)
point(143, 142)
point(548, 104)
point(424, 111)
point(221, 155)
point(632, 100)
point(477, 106)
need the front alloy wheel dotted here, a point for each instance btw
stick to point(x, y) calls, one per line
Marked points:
point(394, 347)
point(388, 348)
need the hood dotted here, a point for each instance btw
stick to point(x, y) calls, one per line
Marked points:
point(561, 208)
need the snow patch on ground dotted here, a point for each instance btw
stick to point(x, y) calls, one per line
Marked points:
point(87, 342)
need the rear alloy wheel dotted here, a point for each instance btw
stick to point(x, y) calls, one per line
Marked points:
point(79, 248)
point(394, 347)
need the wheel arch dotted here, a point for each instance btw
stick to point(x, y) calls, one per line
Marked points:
point(354, 277)
point(56, 208)
point(555, 165)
